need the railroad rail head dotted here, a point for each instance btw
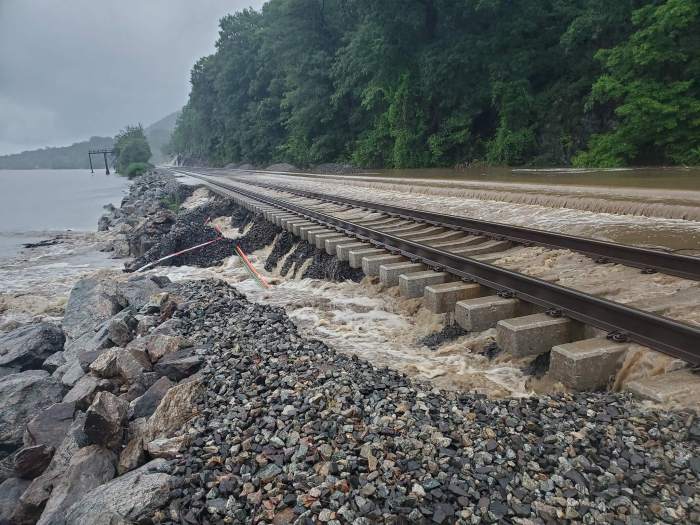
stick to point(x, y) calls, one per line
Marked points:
point(668, 336)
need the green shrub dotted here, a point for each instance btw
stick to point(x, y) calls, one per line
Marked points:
point(136, 169)
point(171, 202)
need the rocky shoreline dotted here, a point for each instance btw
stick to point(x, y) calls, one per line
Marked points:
point(163, 402)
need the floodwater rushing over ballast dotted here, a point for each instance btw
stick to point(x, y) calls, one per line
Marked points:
point(649, 214)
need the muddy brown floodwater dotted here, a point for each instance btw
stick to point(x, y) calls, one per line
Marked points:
point(656, 208)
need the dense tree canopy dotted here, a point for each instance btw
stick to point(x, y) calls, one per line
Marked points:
point(407, 83)
point(131, 147)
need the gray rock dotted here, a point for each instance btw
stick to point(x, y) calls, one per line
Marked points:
point(22, 396)
point(129, 368)
point(10, 491)
point(139, 288)
point(83, 392)
point(88, 357)
point(177, 407)
point(31, 461)
point(89, 342)
point(89, 468)
point(179, 364)
point(105, 420)
point(132, 456)
point(37, 494)
point(50, 425)
point(27, 347)
point(93, 300)
point(145, 405)
point(166, 448)
point(131, 497)
point(122, 328)
point(53, 362)
point(105, 365)
point(72, 374)
point(170, 327)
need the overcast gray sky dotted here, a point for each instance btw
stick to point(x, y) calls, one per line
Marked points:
point(71, 69)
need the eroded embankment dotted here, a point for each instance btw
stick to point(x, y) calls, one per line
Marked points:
point(362, 317)
point(186, 402)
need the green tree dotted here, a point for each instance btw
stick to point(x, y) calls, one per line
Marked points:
point(407, 83)
point(131, 147)
point(652, 81)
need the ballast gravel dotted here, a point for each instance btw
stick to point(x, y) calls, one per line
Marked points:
point(290, 431)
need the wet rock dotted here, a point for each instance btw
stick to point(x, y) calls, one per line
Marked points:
point(329, 268)
point(260, 234)
point(54, 361)
point(27, 347)
point(31, 461)
point(157, 345)
point(105, 420)
point(50, 425)
point(122, 328)
point(89, 468)
point(166, 448)
point(145, 405)
point(447, 334)
point(93, 300)
point(283, 245)
point(84, 391)
point(36, 495)
point(178, 406)
point(189, 230)
point(132, 456)
point(179, 364)
point(72, 373)
point(138, 290)
point(130, 497)
point(22, 396)
point(10, 491)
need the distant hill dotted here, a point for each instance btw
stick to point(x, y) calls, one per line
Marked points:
point(158, 135)
point(66, 157)
point(76, 155)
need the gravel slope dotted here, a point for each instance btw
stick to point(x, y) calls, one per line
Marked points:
point(291, 431)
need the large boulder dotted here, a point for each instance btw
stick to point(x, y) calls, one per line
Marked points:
point(105, 420)
point(139, 288)
point(10, 491)
point(118, 362)
point(156, 346)
point(93, 300)
point(85, 390)
point(31, 461)
point(122, 328)
point(53, 362)
point(179, 364)
point(145, 405)
point(37, 494)
point(22, 396)
point(131, 498)
point(27, 347)
point(178, 406)
point(89, 468)
point(50, 425)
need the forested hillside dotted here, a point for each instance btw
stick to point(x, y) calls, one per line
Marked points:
point(408, 83)
point(67, 157)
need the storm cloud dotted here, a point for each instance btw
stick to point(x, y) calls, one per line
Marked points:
point(71, 69)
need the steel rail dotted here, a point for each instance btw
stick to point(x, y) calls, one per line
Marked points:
point(684, 266)
point(665, 335)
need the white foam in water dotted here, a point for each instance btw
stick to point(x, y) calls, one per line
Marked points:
point(354, 318)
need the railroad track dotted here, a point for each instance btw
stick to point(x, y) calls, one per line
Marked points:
point(447, 258)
